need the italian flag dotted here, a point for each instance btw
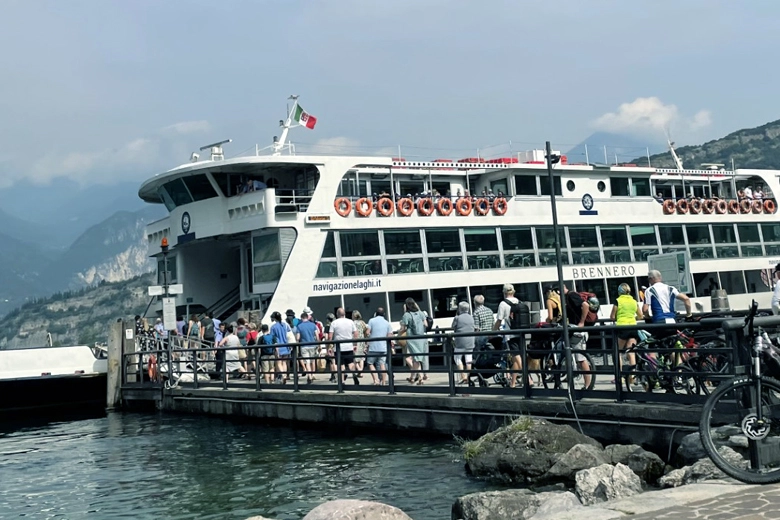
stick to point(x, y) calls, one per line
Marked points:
point(304, 118)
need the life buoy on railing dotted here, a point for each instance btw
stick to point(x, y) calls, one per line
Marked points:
point(385, 207)
point(482, 207)
point(708, 206)
point(682, 206)
point(405, 207)
point(695, 206)
point(152, 368)
point(721, 207)
point(343, 206)
point(756, 206)
point(744, 206)
point(499, 206)
point(364, 206)
point(464, 206)
point(668, 206)
point(733, 206)
point(769, 206)
point(444, 206)
point(425, 207)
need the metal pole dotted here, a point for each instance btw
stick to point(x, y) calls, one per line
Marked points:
point(559, 265)
point(295, 367)
point(340, 382)
point(450, 352)
point(390, 379)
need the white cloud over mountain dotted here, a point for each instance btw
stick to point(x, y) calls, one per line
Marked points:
point(650, 115)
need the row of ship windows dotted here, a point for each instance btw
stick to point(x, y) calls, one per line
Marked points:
point(403, 251)
point(442, 302)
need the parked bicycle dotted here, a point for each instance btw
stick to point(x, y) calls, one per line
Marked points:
point(553, 364)
point(667, 370)
point(744, 413)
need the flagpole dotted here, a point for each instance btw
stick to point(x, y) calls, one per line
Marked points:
point(279, 145)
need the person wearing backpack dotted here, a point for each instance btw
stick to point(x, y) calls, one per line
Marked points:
point(266, 341)
point(512, 314)
point(577, 311)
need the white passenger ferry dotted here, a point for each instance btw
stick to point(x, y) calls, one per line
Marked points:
point(359, 232)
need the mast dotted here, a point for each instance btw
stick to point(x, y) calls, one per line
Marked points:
point(676, 158)
point(286, 125)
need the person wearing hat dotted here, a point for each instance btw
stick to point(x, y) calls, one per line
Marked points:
point(776, 293)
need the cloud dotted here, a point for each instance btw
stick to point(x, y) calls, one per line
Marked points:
point(137, 156)
point(650, 115)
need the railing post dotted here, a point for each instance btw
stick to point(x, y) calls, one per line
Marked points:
point(389, 367)
point(616, 356)
point(169, 342)
point(140, 361)
point(449, 351)
point(295, 367)
point(223, 373)
point(194, 365)
point(340, 380)
point(524, 369)
point(569, 369)
point(258, 368)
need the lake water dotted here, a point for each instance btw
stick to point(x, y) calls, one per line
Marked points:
point(173, 466)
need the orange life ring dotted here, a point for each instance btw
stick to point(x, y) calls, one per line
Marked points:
point(668, 207)
point(696, 206)
point(405, 207)
point(721, 206)
point(385, 207)
point(364, 206)
point(482, 206)
point(444, 206)
point(769, 206)
point(756, 206)
point(343, 206)
point(733, 206)
point(499, 206)
point(744, 206)
point(464, 206)
point(682, 206)
point(425, 207)
point(152, 368)
point(708, 206)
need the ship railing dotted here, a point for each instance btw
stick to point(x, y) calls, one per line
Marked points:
point(195, 364)
point(297, 199)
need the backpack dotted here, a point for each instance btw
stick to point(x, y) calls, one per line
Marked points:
point(592, 317)
point(519, 315)
point(208, 329)
point(428, 324)
point(268, 339)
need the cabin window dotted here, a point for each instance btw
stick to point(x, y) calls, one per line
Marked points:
point(381, 188)
point(499, 187)
point(520, 242)
point(480, 239)
point(364, 303)
point(640, 187)
point(596, 286)
point(200, 187)
point(361, 267)
point(526, 185)
point(442, 188)
point(545, 185)
point(733, 282)
point(359, 243)
point(402, 242)
point(705, 283)
point(748, 233)
point(613, 236)
point(723, 234)
point(265, 248)
point(396, 302)
point(267, 273)
point(757, 281)
point(327, 269)
point(329, 250)
point(771, 234)
point(545, 240)
point(612, 288)
point(177, 192)
point(699, 241)
point(619, 186)
point(445, 301)
point(445, 263)
point(644, 242)
point(529, 292)
point(584, 245)
point(405, 265)
point(671, 235)
point(442, 240)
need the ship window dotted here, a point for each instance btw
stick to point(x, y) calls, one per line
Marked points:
point(381, 188)
point(601, 186)
point(612, 288)
point(200, 187)
point(411, 188)
point(397, 299)
point(353, 186)
point(445, 301)
point(169, 204)
point(499, 187)
point(267, 273)
point(545, 238)
point(614, 236)
point(528, 292)
point(619, 186)
point(493, 295)
point(359, 243)
point(733, 282)
point(265, 248)
point(525, 185)
point(327, 270)
point(178, 193)
point(442, 240)
point(723, 233)
point(644, 241)
point(596, 286)
point(671, 235)
point(329, 250)
point(445, 263)
point(640, 187)
point(570, 185)
point(402, 242)
point(545, 185)
point(583, 237)
point(405, 265)
point(705, 283)
point(771, 233)
point(361, 267)
point(480, 261)
point(729, 251)
point(757, 281)
point(548, 258)
point(748, 233)
point(480, 239)
point(517, 238)
point(698, 234)
point(365, 303)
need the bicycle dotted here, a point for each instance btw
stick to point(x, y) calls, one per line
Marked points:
point(744, 413)
point(553, 365)
point(671, 371)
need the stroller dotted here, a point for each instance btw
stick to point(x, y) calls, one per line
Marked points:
point(490, 363)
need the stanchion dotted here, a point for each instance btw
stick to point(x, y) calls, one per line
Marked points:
point(223, 375)
point(340, 381)
point(524, 363)
point(450, 363)
point(389, 368)
point(294, 351)
point(194, 366)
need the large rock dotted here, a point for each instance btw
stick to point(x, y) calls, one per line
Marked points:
point(581, 456)
point(355, 510)
point(690, 449)
point(521, 452)
point(701, 470)
point(512, 504)
point(647, 465)
point(606, 482)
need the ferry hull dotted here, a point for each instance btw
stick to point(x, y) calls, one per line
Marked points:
point(54, 394)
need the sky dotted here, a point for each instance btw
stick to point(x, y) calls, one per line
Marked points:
point(97, 92)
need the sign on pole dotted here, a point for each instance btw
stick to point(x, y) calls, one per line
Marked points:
point(169, 313)
point(675, 269)
point(155, 290)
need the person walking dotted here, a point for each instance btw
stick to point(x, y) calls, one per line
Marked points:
point(659, 300)
point(483, 320)
point(360, 346)
point(464, 345)
point(576, 312)
point(307, 332)
point(279, 332)
point(378, 327)
point(513, 341)
point(552, 302)
point(626, 311)
point(413, 324)
point(343, 329)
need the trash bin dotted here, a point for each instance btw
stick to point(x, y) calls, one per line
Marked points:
point(720, 301)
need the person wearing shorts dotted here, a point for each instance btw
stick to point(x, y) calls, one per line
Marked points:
point(576, 312)
point(343, 329)
point(307, 332)
point(378, 327)
point(626, 311)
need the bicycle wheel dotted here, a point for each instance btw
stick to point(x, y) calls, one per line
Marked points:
point(685, 381)
point(579, 376)
point(729, 419)
point(550, 367)
point(642, 378)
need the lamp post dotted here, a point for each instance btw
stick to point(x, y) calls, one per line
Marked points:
point(164, 249)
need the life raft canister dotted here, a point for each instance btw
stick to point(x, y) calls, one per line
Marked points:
point(343, 206)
